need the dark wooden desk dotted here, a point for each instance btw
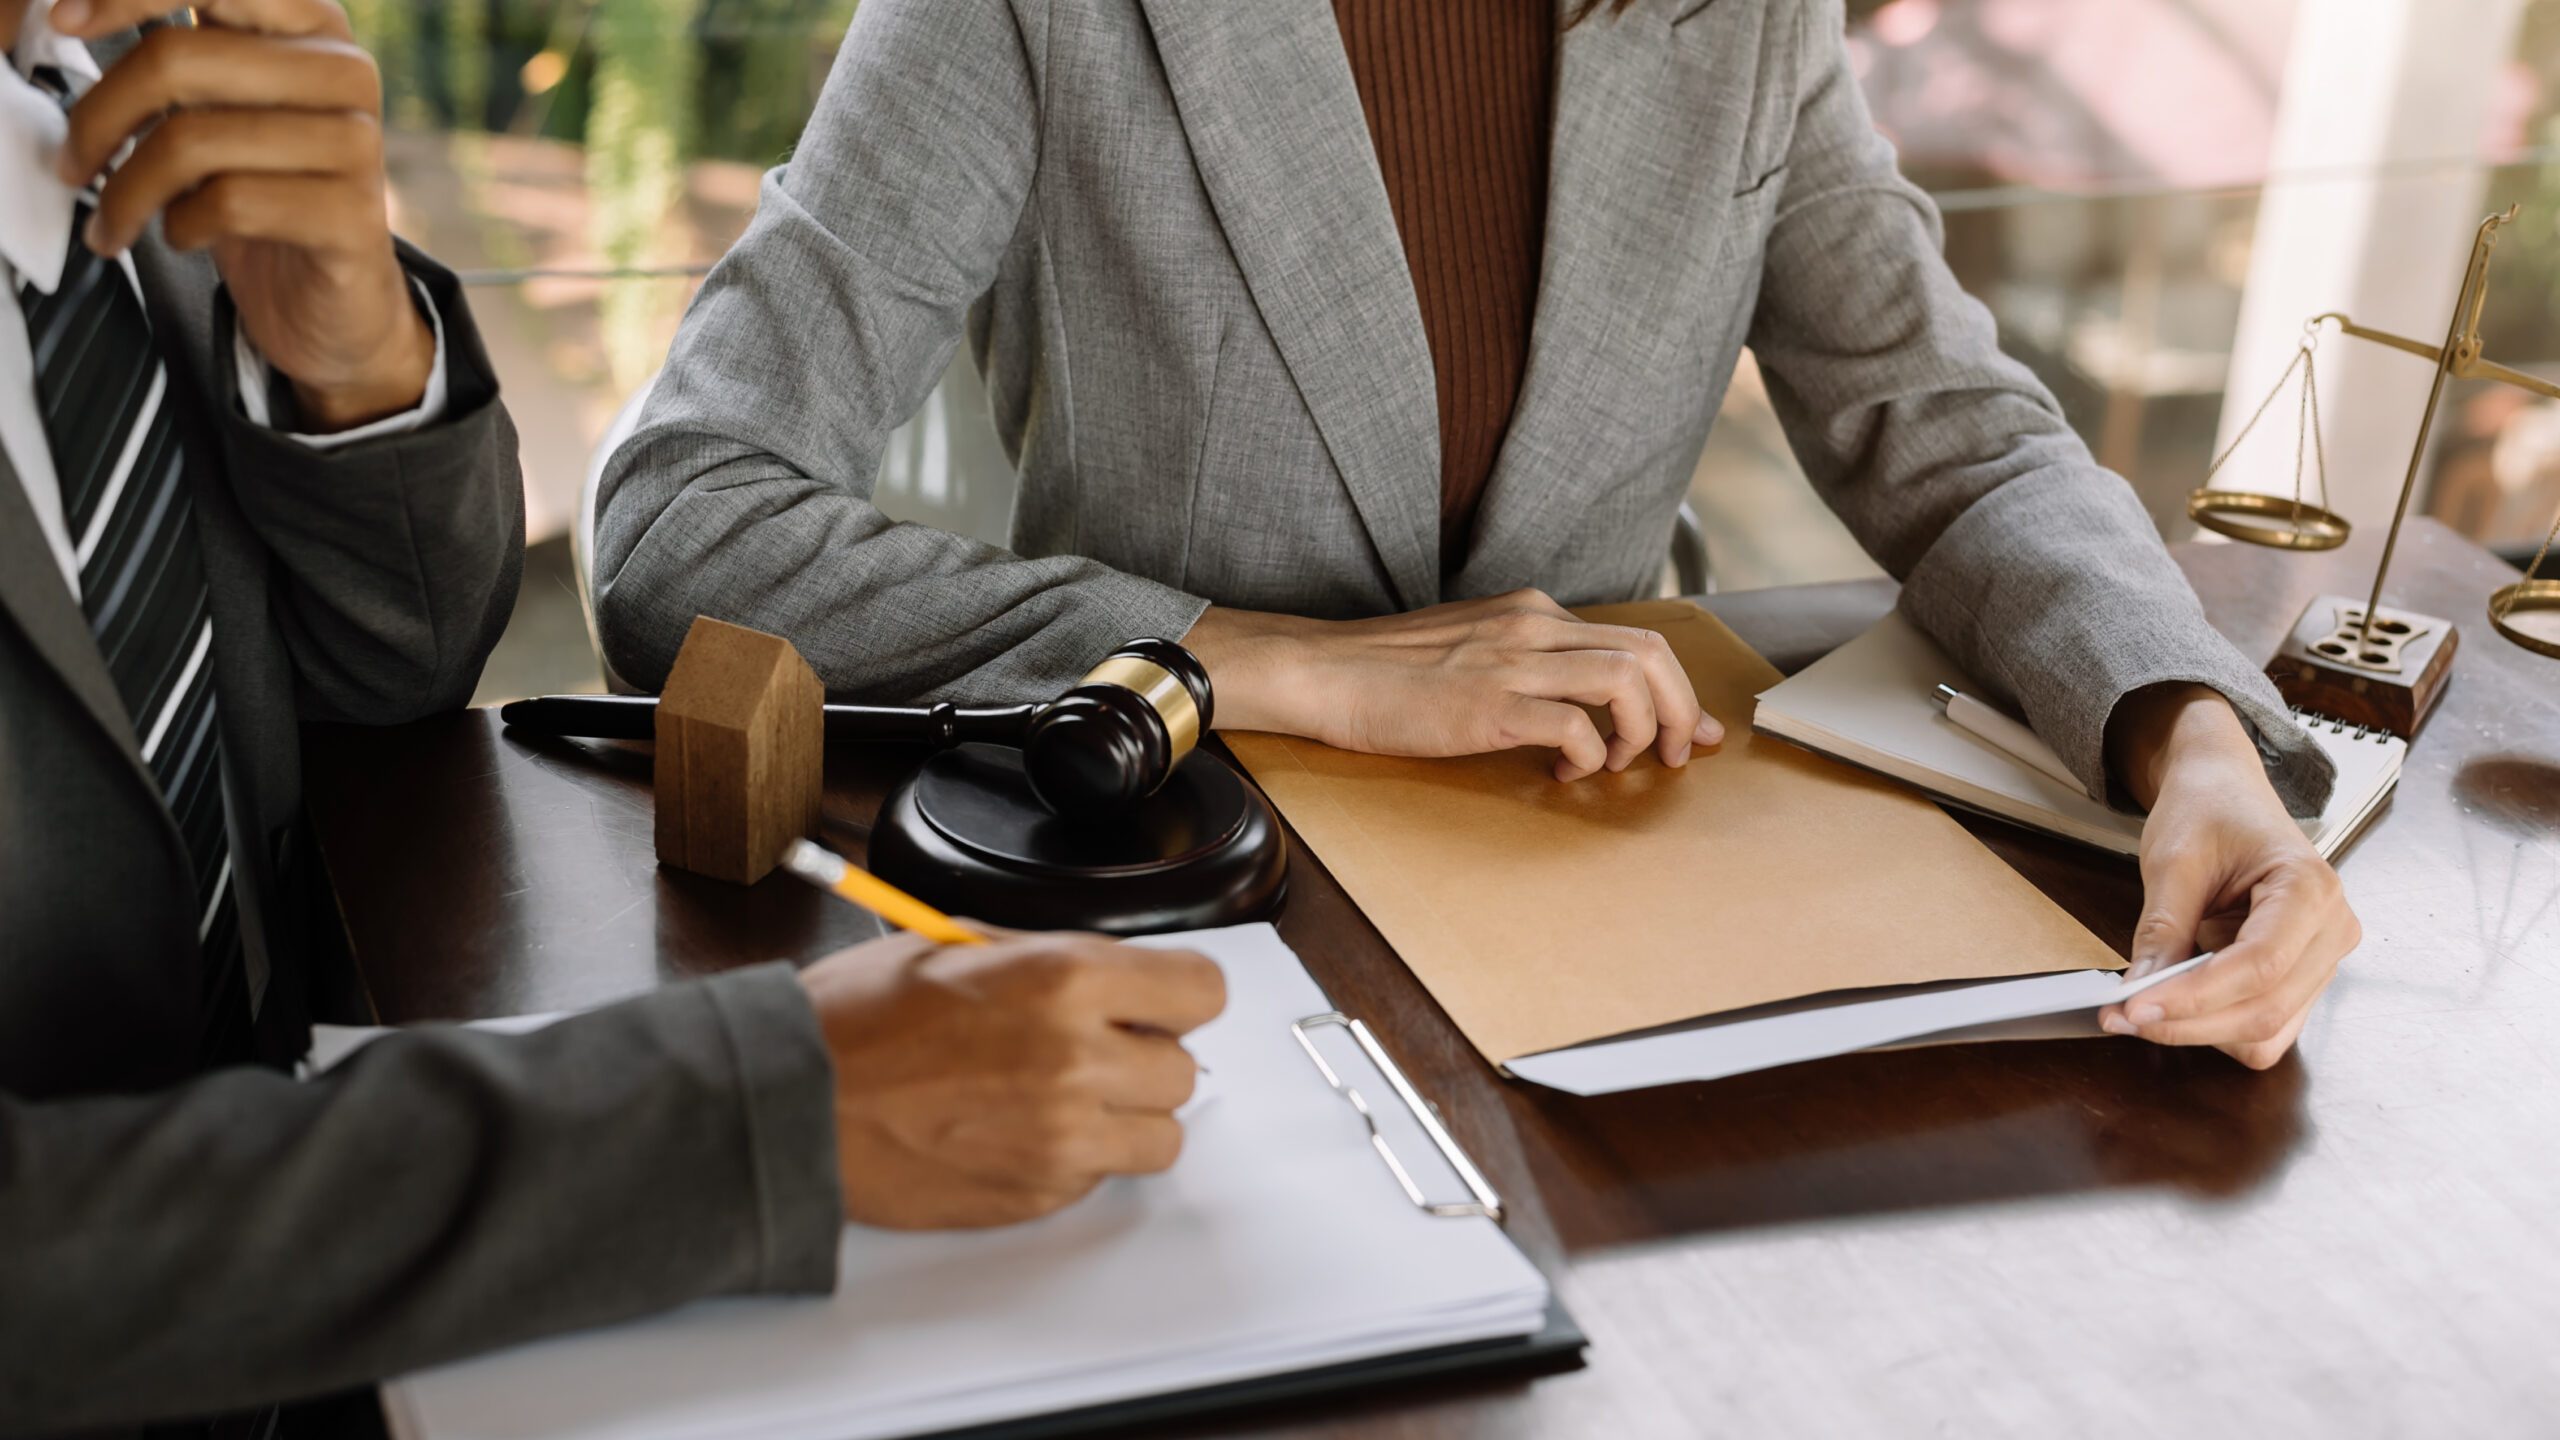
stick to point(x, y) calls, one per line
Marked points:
point(2099, 1234)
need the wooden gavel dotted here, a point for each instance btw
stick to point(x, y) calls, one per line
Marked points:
point(1095, 751)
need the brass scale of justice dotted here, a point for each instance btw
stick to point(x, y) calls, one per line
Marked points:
point(2362, 663)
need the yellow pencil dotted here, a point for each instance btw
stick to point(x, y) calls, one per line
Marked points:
point(845, 880)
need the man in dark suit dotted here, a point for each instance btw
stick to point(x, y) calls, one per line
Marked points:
point(253, 470)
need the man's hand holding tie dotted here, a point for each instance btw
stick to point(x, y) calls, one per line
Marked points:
point(258, 134)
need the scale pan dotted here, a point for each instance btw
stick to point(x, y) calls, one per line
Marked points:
point(2537, 604)
point(2267, 519)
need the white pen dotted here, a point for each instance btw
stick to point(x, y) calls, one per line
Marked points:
point(2006, 735)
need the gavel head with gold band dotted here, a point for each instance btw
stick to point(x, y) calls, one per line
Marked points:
point(1113, 739)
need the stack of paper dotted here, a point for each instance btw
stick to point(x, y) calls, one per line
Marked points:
point(2038, 1007)
point(1279, 1243)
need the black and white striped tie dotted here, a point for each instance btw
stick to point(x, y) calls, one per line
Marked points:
point(101, 388)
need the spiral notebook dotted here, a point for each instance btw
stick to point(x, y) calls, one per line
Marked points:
point(1869, 703)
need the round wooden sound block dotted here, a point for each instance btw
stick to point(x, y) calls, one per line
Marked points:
point(966, 835)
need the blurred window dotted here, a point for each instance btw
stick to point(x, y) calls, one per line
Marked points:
point(2107, 169)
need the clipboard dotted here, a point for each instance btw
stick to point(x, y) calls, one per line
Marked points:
point(1552, 1350)
point(1325, 1234)
point(1558, 1346)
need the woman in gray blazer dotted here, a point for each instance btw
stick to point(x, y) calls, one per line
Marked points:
point(1246, 282)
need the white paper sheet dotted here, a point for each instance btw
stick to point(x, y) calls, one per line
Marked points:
point(1824, 1026)
point(1278, 1242)
point(331, 1044)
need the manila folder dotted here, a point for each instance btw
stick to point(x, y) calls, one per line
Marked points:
point(1542, 915)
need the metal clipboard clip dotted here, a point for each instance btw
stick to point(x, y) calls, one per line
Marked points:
point(1485, 1203)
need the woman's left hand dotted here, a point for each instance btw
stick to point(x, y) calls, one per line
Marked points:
point(2225, 869)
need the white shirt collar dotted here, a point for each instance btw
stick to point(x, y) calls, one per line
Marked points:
point(35, 230)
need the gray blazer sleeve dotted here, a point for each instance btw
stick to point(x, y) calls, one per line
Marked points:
point(745, 493)
point(248, 1238)
point(398, 557)
point(2039, 571)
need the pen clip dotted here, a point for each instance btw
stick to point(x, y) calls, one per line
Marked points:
point(1484, 1203)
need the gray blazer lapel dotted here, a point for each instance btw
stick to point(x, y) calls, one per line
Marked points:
point(1642, 168)
point(32, 592)
point(1267, 100)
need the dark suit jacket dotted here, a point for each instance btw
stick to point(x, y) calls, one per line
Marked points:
point(174, 1242)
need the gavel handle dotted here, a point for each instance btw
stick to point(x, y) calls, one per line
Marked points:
point(635, 717)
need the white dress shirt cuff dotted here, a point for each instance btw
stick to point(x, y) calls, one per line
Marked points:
point(249, 363)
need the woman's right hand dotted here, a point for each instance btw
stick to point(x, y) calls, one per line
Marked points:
point(1463, 678)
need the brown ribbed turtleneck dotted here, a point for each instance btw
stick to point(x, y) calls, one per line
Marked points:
point(1456, 93)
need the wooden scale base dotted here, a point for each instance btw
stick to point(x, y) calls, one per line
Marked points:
point(2386, 678)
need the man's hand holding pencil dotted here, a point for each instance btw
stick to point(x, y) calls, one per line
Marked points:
point(984, 1077)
